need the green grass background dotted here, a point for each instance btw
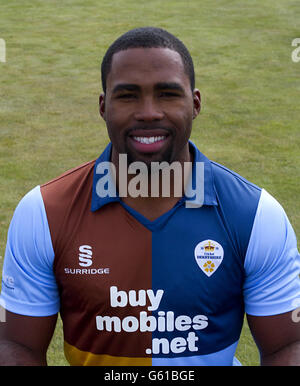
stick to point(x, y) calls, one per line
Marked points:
point(50, 83)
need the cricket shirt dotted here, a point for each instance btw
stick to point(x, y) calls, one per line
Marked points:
point(131, 291)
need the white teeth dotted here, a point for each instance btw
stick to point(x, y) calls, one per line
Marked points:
point(148, 140)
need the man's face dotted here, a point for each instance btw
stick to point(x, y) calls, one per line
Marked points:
point(149, 105)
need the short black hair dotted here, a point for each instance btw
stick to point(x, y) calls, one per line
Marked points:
point(148, 37)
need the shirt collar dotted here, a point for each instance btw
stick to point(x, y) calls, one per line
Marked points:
point(199, 190)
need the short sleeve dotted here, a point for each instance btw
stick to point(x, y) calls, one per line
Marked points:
point(28, 283)
point(272, 263)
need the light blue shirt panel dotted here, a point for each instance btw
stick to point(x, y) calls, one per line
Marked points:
point(28, 283)
point(272, 262)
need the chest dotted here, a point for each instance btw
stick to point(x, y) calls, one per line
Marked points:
point(188, 265)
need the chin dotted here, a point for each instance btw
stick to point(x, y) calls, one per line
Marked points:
point(149, 158)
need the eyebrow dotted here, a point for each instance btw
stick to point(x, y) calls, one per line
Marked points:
point(125, 87)
point(159, 86)
point(169, 86)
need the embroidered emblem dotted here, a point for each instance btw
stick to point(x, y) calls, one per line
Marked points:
point(209, 255)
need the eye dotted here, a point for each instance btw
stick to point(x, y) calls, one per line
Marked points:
point(126, 96)
point(168, 94)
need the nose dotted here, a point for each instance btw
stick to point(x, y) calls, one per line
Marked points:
point(148, 110)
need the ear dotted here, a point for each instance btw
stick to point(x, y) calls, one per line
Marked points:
point(102, 105)
point(197, 102)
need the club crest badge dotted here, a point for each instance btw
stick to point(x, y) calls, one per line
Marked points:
point(209, 255)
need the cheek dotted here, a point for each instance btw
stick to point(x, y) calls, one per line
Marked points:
point(116, 125)
point(113, 123)
point(113, 131)
point(183, 122)
point(117, 117)
point(182, 113)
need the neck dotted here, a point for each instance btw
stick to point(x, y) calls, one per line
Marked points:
point(154, 189)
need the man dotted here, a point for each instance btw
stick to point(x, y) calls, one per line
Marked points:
point(149, 279)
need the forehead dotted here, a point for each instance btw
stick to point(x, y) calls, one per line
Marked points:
point(146, 65)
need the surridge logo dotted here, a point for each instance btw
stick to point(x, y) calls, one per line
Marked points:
point(85, 259)
point(85, 255)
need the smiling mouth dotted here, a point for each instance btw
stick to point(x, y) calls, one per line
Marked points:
point(149, 140)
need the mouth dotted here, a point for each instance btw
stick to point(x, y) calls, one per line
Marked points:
point(149, 140)
point(152, 141)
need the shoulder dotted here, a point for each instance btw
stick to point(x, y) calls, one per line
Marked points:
point(272, 233)
point(70, 177)
point(29, 209)
point(29, 223)
point(59, 192)
point(269, 209)
point(230, 183)
point(29, 287)
point(237, 204)
point(272, 263)
point(66, 198)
